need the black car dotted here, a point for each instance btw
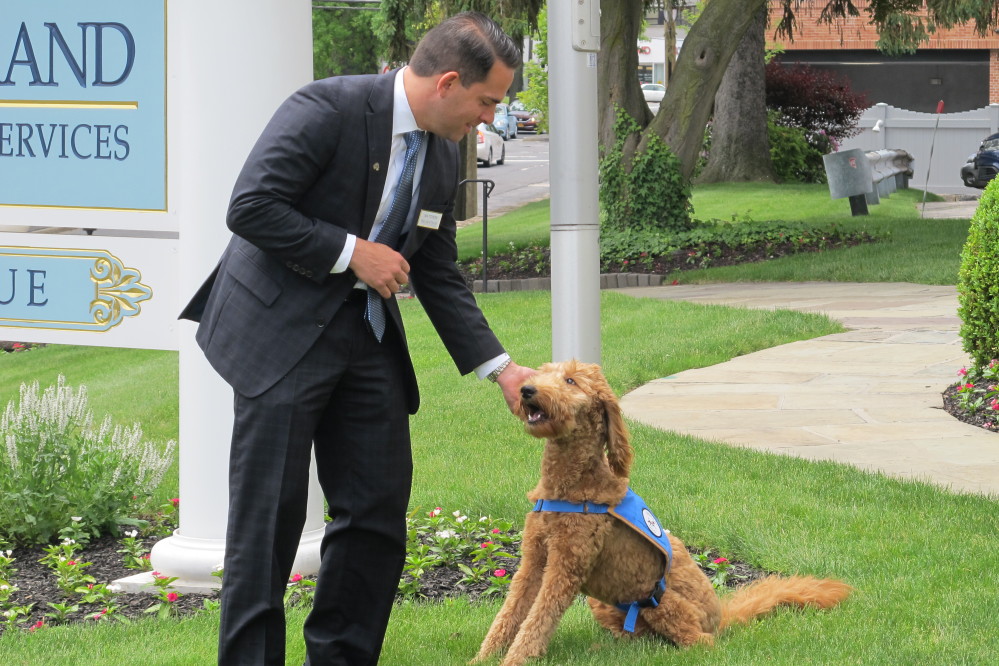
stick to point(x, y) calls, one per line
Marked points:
point(983, 165)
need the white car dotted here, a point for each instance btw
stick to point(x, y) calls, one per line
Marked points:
point(488, 145)
point(653, 92)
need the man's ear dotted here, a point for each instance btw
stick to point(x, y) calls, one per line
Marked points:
point(446, 81)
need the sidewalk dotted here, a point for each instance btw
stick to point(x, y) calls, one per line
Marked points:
point(869, 397)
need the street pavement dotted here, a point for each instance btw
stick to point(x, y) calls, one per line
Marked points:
point(870, 397)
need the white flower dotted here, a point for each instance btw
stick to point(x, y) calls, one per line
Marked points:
point(68, 542)
point(446, 534)
point(4, 587)
point(219, 567)
point(132, 533)
point(484, 519)
point(7, 553)
point(461, 519)
point(456, 513)
point(76, 519)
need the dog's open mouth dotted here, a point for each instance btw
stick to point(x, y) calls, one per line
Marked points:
point(535, 414)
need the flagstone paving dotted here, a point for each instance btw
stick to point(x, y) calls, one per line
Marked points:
point(870, 397)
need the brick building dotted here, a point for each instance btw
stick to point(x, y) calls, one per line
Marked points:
point(957, 66)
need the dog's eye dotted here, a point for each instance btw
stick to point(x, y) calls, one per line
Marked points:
point(569, 380)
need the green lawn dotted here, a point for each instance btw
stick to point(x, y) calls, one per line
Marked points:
point(916, 250)
point(922, 560)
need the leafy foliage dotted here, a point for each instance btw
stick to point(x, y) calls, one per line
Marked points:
point(794, 158)
point(345, 42)
point(56, 463)
point(814, 100)
point(705, 243)
point(650, 192)
point(535, 95)
point(978, 282)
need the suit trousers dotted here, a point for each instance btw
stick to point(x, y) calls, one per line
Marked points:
point(346, 400)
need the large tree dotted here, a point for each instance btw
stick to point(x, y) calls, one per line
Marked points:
point(707, 50)
point(740, 148)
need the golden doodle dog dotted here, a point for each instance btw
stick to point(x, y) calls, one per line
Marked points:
point(582, 546)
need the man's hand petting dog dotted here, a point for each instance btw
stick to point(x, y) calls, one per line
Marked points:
point(510, 381)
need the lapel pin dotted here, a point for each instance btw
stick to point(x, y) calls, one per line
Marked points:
point(376, 166)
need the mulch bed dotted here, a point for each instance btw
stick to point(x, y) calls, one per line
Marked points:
point(36, 584)
point(984, 418)
point(537, 264)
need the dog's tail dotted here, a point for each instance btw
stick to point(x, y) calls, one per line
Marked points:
point(765, 595)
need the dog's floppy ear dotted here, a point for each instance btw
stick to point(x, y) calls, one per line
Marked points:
point(619, 451)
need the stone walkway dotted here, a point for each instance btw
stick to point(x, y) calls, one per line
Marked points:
point(869, 397)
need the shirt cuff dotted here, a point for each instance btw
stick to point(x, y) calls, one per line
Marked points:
point(345, 256)
point(490, 365)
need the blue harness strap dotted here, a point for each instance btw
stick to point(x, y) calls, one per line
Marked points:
point(562, 506)
point(631, 610)
point(633, 512)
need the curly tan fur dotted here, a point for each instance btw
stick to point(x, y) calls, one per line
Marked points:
point(587, 458)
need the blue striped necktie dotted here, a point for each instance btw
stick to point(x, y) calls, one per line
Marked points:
point(393, 225)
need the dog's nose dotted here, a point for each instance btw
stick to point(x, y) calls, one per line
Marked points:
point(527, 392)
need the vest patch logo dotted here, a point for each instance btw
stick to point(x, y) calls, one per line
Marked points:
point(652, 523)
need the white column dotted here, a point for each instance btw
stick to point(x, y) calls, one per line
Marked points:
point(575, 226)
point(230, 66)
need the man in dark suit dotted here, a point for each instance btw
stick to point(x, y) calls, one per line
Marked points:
point(286, 320)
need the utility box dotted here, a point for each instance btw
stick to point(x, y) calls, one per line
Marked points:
point(849, 175)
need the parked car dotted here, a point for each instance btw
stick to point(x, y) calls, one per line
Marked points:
point(505, 122)
point(982, 166)
point(527, 121)
point(488, 145)
point(653, 92)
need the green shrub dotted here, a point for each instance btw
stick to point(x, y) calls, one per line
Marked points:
point(56, 464)
point(652, 194)
point(978, 282)
point(795, 159)
point(707, 241)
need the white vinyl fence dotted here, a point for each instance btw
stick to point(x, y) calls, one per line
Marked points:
point(958, 135)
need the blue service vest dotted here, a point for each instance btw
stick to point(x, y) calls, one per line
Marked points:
point(633, 511)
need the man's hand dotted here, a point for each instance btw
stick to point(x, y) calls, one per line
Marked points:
point(510, 380)
point(379, 266)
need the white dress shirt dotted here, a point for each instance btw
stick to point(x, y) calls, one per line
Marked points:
point(403, 122)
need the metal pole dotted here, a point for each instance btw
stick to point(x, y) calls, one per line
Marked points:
point(487, 188)
point(940, 108)
point(575, 231)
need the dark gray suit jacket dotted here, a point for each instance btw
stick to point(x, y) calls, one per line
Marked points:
point(315, 175)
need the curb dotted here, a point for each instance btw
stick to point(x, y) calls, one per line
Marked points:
point(607, 281)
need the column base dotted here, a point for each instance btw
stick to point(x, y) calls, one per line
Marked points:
point(193, 560)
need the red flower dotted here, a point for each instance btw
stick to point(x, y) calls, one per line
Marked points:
point(496, 530)
point(962, 372)
point(71, 563)
point(297, 577)
point(486, 544)
point(37, 625)
point(175, 501)
point(499, 573)
point(720, 560)
point(172, 597)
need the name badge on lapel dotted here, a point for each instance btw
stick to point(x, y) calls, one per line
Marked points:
point(429, 219)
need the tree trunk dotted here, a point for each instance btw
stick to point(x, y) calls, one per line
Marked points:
point(617, 67)
point(740, 149)
point(466, 201)
point(702, 62)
